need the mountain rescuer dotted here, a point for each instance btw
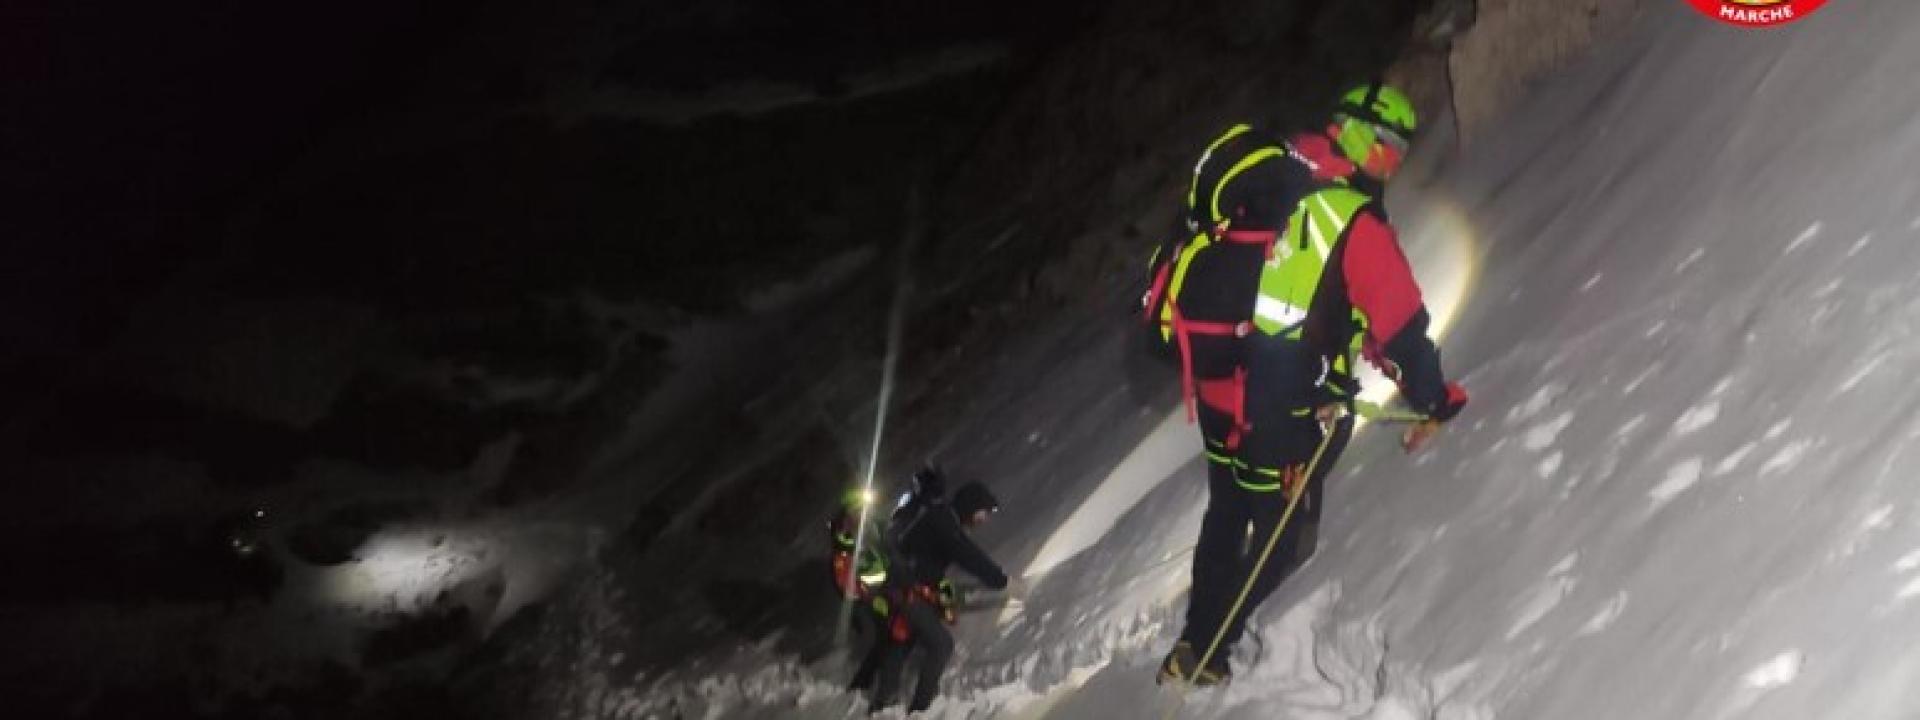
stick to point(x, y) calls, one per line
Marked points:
point(1285, 270)
point(928, 533)
point(859, 581)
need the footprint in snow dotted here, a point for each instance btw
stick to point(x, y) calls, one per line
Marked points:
point(1639, 379)
point(1786, 458)
point(1679, 478)
point(1536, 403)
point(1774, 430)
point(1546, 596)
point(1824, 291)
point(1803, 238)
point(1572, 484)
point(1550, 465)
point(1908, 562)
point(1447, 683)
point(1864, 370)
point(1909, 591)
point(1541, 436)
point(1760, 681)
point(1565, 564)
point(1690, 259)
point(1697, 417)
point(1780, 670)
point(1721, 388)
point(1880, 519)
point(1626, 428)
point(1733, 459)
point(1607, 615)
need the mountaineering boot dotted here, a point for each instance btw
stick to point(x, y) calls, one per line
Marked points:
point(1183, 660)
point(1217, 672)
point(1178, 663)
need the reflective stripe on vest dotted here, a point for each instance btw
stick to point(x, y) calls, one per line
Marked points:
point(1292, 275)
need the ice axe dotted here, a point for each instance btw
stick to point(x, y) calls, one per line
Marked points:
point(1375, 412)
point(1420, 428)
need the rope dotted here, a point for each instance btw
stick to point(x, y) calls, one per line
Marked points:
point(1258, 565)
point(1369, 410)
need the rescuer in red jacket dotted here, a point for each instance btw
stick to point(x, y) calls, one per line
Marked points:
point(1285, 271)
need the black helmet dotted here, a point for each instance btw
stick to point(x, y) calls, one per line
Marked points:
point(929, 484)
point(974, 497)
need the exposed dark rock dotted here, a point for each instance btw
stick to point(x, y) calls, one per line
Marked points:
point(116, 419)
point(389, 426)
point(797, 603)
point(163, 560)
point(335, 537)
point(438, 628)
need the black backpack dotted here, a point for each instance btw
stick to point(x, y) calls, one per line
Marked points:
point(1207, 271)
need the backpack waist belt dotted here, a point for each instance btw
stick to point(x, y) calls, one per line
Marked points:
point(1183, 331)
point(1228, 395)
point(899, 628)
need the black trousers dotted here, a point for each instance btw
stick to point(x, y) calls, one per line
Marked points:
point(1239, 521)
point(935, 643)
point(874, 629)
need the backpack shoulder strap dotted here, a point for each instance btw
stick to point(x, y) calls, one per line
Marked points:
point(1206, 158)
point(1237, 150)
point(1212, 198)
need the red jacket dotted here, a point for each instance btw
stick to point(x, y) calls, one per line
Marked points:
point(1374, 276)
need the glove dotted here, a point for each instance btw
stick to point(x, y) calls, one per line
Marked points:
point(1456, 399)
point(1417, 434)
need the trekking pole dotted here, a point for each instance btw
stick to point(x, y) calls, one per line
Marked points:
point(1379, 413)
point(1258, 564)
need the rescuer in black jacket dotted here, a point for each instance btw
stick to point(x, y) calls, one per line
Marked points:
point(928, 534)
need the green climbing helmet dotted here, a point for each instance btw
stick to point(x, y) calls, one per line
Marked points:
point(1382, 105)
point(1374, 114)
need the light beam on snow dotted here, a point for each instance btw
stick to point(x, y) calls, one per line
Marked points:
point(1169, 446)
point(1440, 246)
point(402, 570)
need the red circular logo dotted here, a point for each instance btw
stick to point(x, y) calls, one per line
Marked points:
point(1756, 13)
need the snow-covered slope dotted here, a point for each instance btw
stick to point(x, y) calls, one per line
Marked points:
point(1681, 489)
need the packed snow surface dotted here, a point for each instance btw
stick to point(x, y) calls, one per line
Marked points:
point(1677, 492)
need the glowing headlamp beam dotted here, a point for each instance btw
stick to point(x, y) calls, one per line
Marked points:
point(896, 327)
